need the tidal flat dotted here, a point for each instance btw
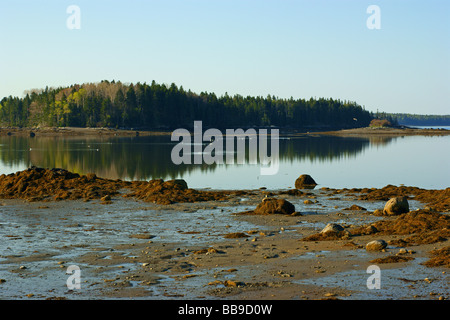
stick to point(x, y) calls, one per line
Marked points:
point(129, 243)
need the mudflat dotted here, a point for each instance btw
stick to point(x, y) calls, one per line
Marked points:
point(162, 240)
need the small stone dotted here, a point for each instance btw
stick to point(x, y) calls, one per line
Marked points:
point(106, 198)
point(376, 245)
point(330, 294)
point(332, 227)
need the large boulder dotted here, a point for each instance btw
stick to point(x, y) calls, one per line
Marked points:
point(305, 181)
point(397, 205)
point(275, 206)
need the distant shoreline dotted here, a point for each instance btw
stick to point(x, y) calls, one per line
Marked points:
point(406, 131)
point(75, 131)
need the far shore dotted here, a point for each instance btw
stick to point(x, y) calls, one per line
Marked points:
point(75, 131)
point(386, 131)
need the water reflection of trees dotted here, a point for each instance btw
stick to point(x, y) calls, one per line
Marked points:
point(141, 158)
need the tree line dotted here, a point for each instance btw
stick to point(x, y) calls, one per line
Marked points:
point(409, 119)
point(158, 106)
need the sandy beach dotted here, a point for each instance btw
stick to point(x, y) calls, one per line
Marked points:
point(130, 246)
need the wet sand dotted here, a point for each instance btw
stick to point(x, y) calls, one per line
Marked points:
point(128, 248)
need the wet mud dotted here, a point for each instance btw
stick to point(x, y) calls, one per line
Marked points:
point(161, 240)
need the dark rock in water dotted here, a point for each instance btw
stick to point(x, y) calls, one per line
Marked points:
point(177, 183)
point(275, 206)
point(397, 205)
point(32, 134)
point(305, 181)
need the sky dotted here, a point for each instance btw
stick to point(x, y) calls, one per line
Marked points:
point(285, 48)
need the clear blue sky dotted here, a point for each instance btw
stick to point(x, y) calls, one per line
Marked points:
point(284, 48)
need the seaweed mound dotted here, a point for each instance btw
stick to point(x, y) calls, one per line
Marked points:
point(438, 200)
point(37, 184)
point(440, 258)
point(166, 192)
point(420, 227)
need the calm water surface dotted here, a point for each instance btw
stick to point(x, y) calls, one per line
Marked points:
point(334, 162)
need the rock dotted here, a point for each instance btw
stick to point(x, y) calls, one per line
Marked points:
point(332, 227)
point(308, 202)
point(397, 205)
point(376, 245)
point(142, 236)
point(332, 231)
point(275, 206)
point(91, 177)
point(176, 184)
point(235, 235)
point(32, 134)
point(356, 208)
point(378, 212)
point(305, 181)
point(370, 230)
